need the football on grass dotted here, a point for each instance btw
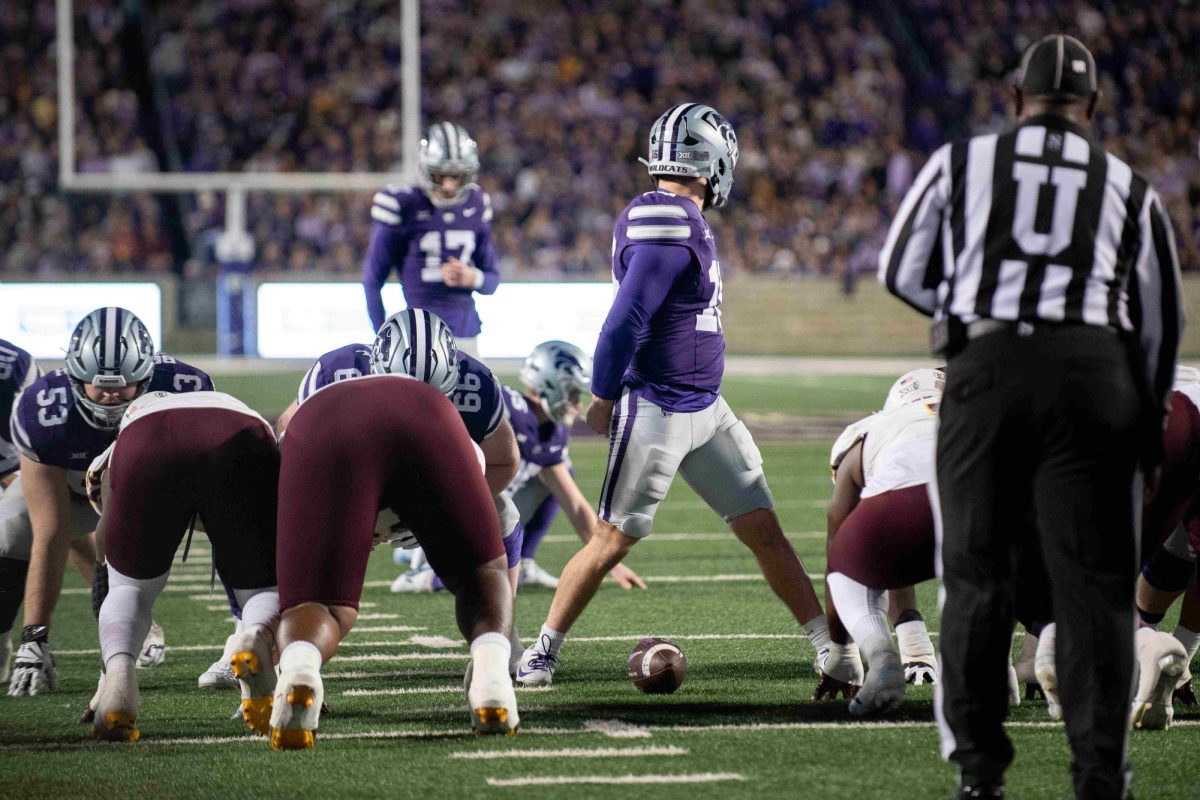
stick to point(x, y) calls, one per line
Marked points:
point(657, 666)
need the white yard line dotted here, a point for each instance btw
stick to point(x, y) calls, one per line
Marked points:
point(616, 729)
point(456, 688)
point(561, 780)
point(690, 537)
point(386, 628)
point(572, 752)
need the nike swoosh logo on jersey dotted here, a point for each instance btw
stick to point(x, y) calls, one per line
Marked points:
point(469, 212)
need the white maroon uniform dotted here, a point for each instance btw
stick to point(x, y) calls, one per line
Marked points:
point(887, 541)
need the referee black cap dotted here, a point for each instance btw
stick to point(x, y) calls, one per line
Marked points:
point(1057, 65)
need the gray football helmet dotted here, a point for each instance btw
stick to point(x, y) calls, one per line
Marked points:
point(694, 141)
point(417, 342)
point(558, 373)
point(110, 348)
point(447, 149)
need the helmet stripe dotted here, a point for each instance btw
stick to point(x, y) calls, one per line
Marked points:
point(111, 331)
point(677, 116)
point(451, 141)
point(427, 346)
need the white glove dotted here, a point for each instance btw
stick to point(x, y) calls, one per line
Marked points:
point(154, 649)
point(33, 671)
point(844, 664)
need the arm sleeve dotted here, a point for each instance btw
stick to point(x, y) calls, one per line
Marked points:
point(1156, 296)
point(906, 263)
point(652, 270)
point(385, 250)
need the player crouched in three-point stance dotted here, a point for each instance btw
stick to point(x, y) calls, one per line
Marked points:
point(656, 385)
point(354, 449)
point(176, 456)
point(59, 424)
point(881, 539)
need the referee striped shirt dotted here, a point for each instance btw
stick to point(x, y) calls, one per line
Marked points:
point(1039, 224)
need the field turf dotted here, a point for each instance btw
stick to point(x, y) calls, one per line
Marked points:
point(741, 726)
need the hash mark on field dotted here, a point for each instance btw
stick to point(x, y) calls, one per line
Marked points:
point(573, 752)
point(690, 537)
point(815, 576)
point(387, 628)
point(558, 780)
point(377, 616)
point(616, 729)
point(404, 673)
point(402, 657)
point(695, 636)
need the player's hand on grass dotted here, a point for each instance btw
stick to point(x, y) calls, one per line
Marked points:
point(828, 688)
point(33, 671)
point(626, 578)
point(599, 414)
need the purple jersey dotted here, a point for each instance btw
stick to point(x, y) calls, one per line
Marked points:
point(663, 333)
point(17, 371)
point(48, 427)
point(542, 444)
point(413, 236)
point(477, 395)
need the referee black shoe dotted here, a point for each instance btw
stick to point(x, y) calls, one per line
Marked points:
point(981, 790)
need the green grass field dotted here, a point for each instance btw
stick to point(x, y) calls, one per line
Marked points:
point(742, 724)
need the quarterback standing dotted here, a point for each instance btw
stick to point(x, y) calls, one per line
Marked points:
point(437, 236)
point(656, 386)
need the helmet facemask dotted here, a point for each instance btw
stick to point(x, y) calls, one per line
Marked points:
point(110, 349)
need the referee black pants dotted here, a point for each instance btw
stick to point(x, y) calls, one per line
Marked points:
point(1037, 447)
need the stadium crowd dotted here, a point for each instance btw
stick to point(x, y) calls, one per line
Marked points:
point(835, 108)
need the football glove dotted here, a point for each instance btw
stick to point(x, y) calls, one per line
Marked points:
point(33, 670)
point(154, 649)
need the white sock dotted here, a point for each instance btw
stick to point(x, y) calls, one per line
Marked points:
point(125, 614)
point(862, 612)
point(549, 640)
point(1189, 639)
point(300, 655)
point(489, 654)
point(913, 638)
point(817, 630)
point(259, 606)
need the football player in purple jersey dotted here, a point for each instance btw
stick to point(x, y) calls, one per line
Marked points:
point(656, 386)
point(17, 371)
point(59, 424)
point(437, 236)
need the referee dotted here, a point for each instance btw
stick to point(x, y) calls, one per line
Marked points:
point(1051, 274)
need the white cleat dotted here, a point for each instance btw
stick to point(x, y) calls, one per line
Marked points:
point(5, 656)
point(917, 653)
point(116, 702)
point(533, 575)
point(882, 690)
point(414, 581)
point(1161, 661)
point(537, 666)
point(296, 710)
point(919, 673)
point(1046, 671)
point(219, 675)
point(154, 649)
point(492, 702)
point(251, 663)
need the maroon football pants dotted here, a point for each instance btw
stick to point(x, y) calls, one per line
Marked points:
point(357, 446)
point(171, 464)
point(887, 540)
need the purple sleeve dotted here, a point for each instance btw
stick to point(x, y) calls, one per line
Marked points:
point(385, 251)
point(652, 271)
point(485, 261)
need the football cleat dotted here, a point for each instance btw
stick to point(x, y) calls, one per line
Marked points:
point(1185, 693)
point(537, 666)
point(533, 575)
point(154, 649)
point(919, 673)
point(1046, 671)
point(296, 710)
point(492, 702)
point(1161, 660)
point(219, 675)
point(251, 662)
point(5, 656)
point(882, 690)
point(116, 702)
point(916, 653)
point(414, 581)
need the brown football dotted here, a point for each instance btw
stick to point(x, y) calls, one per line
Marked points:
point(657, 666)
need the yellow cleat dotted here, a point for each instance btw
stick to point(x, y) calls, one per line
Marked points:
point(257, 713)
point(118, 727)
point(292, 739)
point(301, 696)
